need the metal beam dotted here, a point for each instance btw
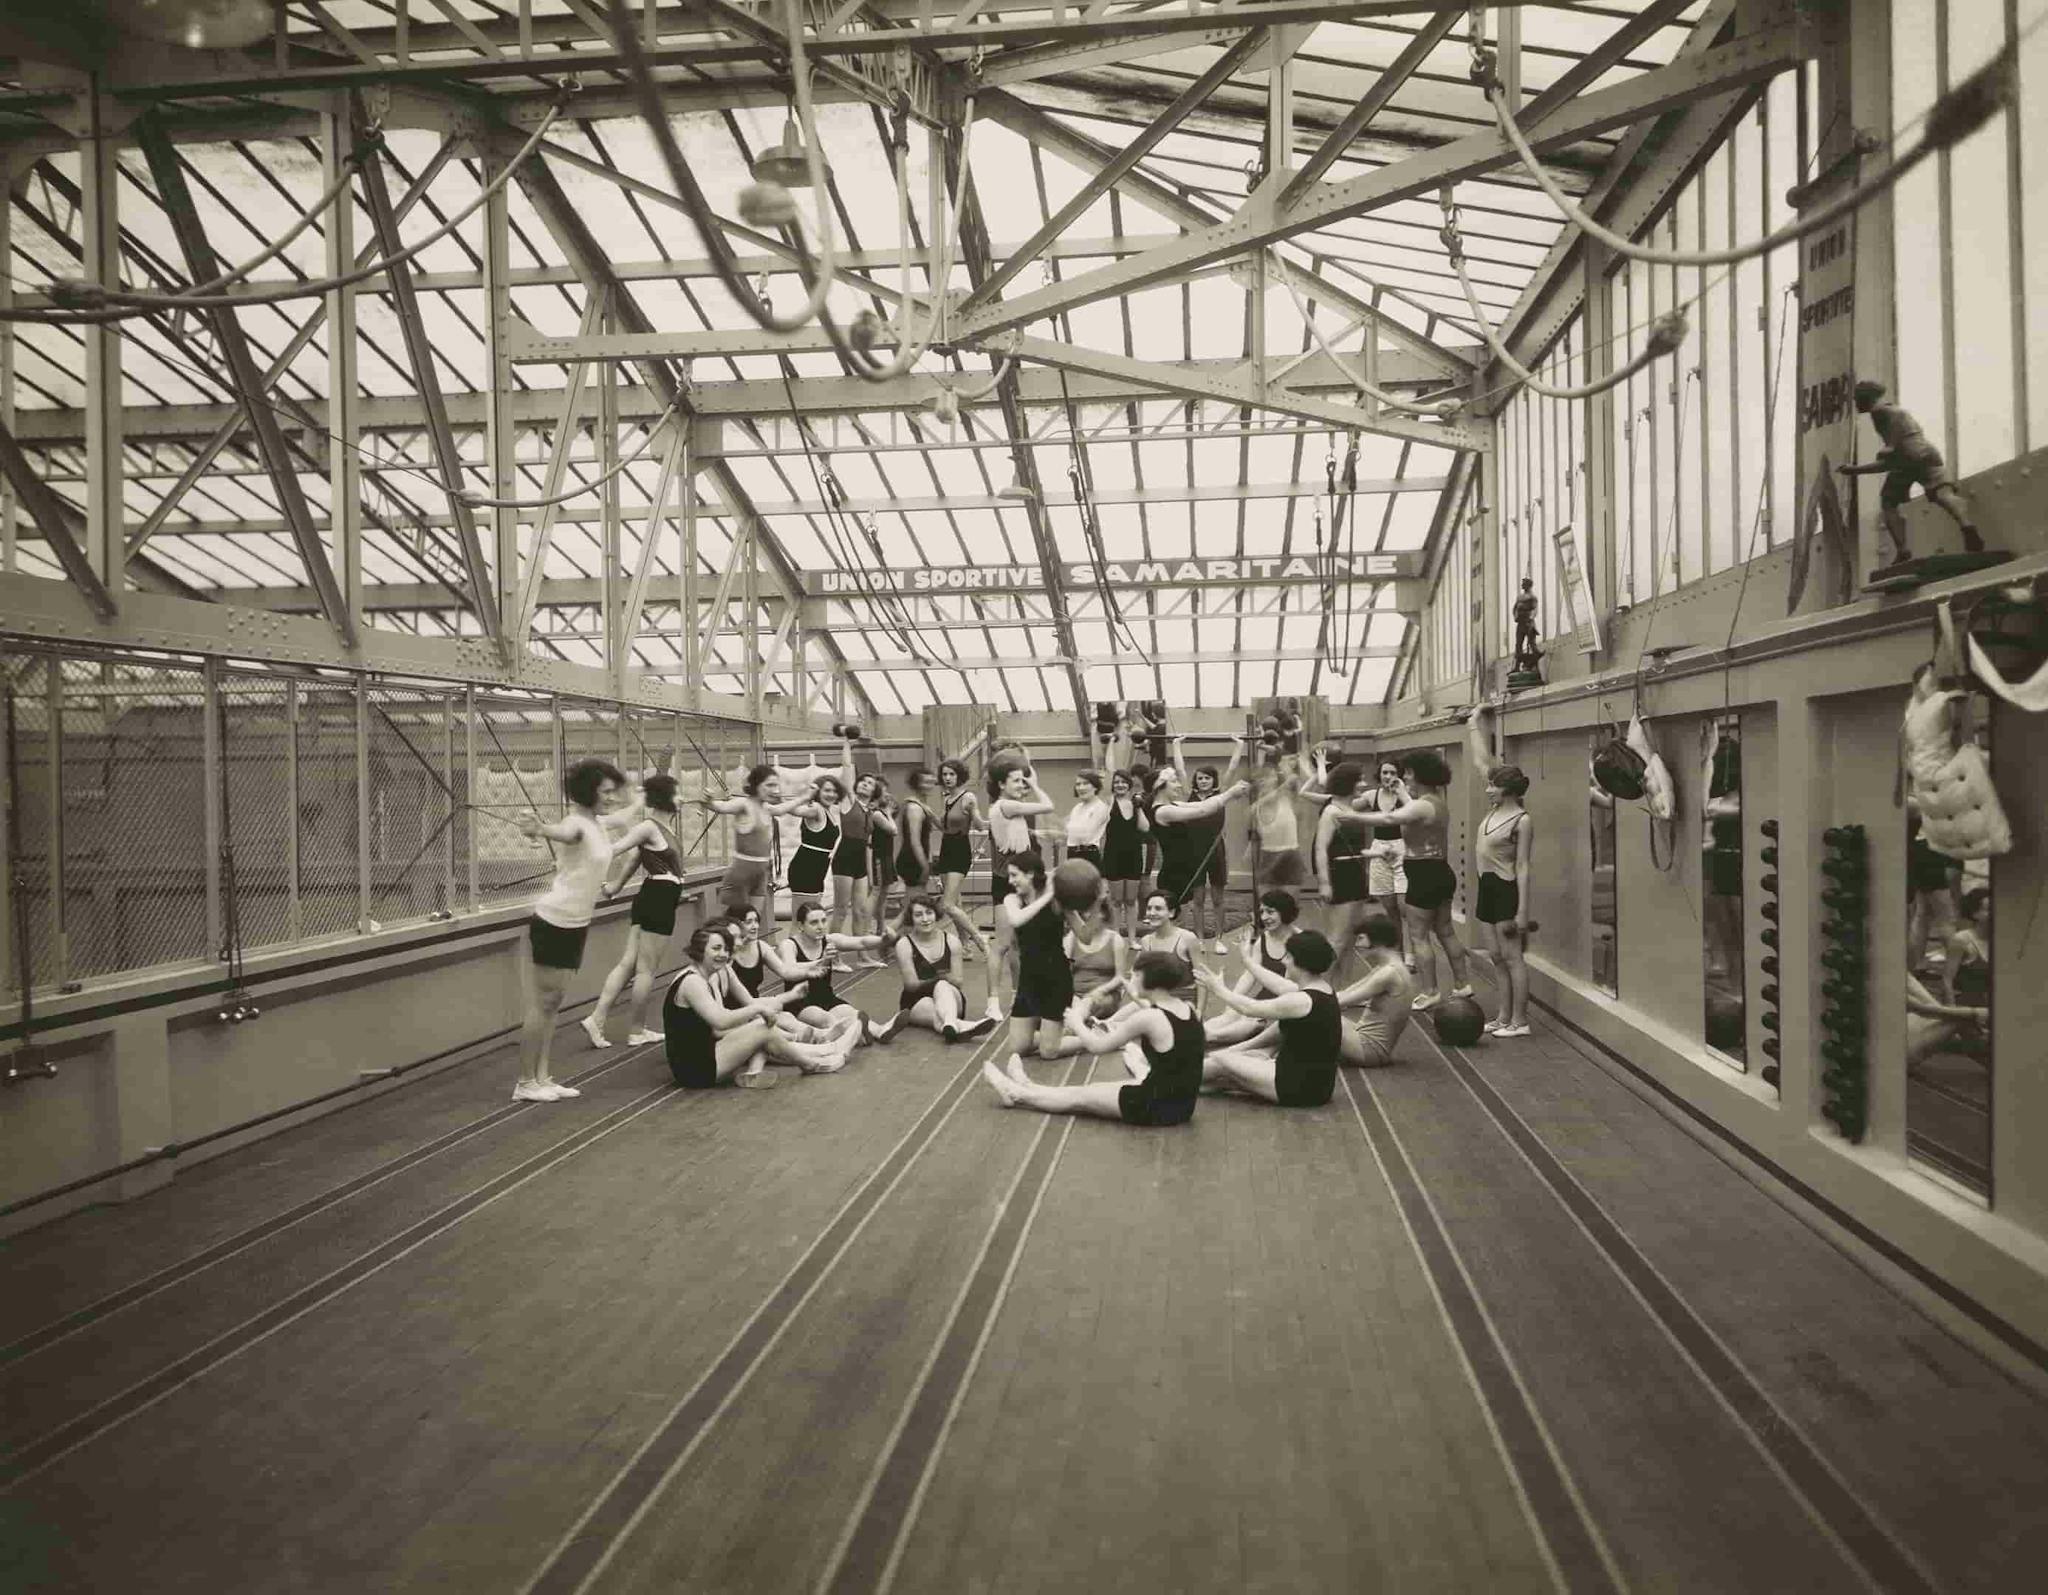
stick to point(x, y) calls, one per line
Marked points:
point(1245, 391)
point(1105, 177)
point(536, 409)
point(169, 173)
point(1341, 137)
point(1263, 220)
point(1123, 657)
point(567, 227)
point(59, 523)
point(1038, 127)
point(419, 348)
point(828, 47)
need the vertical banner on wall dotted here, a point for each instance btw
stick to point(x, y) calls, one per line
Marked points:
point(1823, 532)
point(1578, 592)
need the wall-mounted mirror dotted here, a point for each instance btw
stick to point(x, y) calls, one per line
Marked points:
point(1726, 1027)
point(1600, 819)
point(1948, 994)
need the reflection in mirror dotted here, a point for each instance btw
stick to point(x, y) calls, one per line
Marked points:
point(1948, 993)
point(1600, 814)
point(1721, 885)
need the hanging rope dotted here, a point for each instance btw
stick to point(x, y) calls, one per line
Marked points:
point(1667, 332)
point(1442, 408)
point(1954, 117)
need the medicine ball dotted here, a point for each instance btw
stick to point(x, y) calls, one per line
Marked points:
point(1076, 884)
point(1460, 1021)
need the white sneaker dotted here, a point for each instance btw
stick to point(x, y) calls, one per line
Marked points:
point(644, 1038)
point(594, 1029)
point(1461, 991)
point(562, 1092)
point(533, 1091)
point(1428, 1000)
point(1509, 1032)
point(1494, 1026)
point(994, 1010)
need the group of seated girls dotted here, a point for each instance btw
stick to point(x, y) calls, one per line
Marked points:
point(1084, 988)
point(717, 1025)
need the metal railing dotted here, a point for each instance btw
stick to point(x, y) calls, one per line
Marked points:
point(163, 810)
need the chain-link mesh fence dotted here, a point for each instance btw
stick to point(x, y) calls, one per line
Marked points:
point(411, 803)
point(163, 811)
point(515, 770)
point(259, 770)
point(328, 817)
point(134, 793)
point(31, 820)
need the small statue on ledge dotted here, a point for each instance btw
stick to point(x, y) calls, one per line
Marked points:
point(1906, 460)
point(1526, 672)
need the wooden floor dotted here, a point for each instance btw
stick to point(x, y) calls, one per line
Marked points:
point(1487, 1322)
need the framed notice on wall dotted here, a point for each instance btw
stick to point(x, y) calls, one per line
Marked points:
point(1578, 592)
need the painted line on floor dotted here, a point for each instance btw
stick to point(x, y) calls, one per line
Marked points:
point(871, 1546)
point(39, 1454)
point(1572, 1545)
point(177, 1273)
point(581, 1556)
point(199, 1262)
point(1834, 1507)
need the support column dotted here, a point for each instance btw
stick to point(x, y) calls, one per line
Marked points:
point(1601, 522)
point(363, 886)
point(687, 561)
point(212, 787)
point(615, 650)
point(7, 548)
point(751, 601)
point(498, 393)
point(105, 498)
point(344, 465)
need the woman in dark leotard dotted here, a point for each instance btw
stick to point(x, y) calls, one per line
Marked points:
point(1211, 879)
point(753, 961)
point(1183, 848)
point(710, 1037)
point(1045, 980)
point(1265, 944)
point(928, 954)
point(914, 864)
point(958, 816)
point(1339, 857)
point(809, 942)
point(883, 841)
point(818, 840)
point(853, 860)
point(1123, 851)
point(1161, 1040)
point(657, 854)
point(1303, 1072)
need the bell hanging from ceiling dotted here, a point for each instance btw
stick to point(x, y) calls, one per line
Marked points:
point(196, 24)
point(785, 163)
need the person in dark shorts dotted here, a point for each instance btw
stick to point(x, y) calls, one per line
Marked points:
point(713, 1029)
point(1163, 1047)
point(1425, 821)
point(809, 942)
point(1302, 1073)
point(561, 919)
point(1501, 852)
point(653, 849)
point(959, 816)
point(884, 842)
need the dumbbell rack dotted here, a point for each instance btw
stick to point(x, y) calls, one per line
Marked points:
point(1770, 1017)
point(1845, 989)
